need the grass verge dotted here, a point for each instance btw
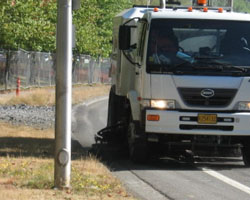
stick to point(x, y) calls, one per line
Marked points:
point(27, 169)
point(27, 164)
point(46, 96)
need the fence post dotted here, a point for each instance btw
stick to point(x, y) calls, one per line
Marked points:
point(91, 64)
point(39, 69)
point(7, 69)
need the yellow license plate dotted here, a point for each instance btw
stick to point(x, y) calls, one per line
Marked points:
point(207, 118)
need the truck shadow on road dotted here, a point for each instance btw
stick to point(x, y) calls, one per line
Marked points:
point(119, 161)
point(170, 165)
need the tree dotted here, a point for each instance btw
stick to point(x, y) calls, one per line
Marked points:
point(242, 6)
point(28, 24)
point(94, 25)
point(31, 24)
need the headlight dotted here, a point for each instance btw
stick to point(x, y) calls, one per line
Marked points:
point(163, 104)
point(244, 106)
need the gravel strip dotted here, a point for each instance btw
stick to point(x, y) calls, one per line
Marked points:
point(41, 117)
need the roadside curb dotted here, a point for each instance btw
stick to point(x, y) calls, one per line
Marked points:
point(92, 101)
point(139, 188)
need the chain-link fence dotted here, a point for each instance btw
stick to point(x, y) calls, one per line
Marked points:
point(39, 68)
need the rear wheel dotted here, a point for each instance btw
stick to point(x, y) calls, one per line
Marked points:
point(137, 143)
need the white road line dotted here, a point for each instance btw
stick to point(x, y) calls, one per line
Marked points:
point(227, 180)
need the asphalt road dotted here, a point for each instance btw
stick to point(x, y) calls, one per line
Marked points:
point(205, 179)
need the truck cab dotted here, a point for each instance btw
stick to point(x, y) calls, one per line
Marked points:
point(181, 79)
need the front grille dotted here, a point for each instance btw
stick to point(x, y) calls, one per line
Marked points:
point(221, 98)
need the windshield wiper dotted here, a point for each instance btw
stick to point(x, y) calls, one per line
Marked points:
point(208, 57)
point(229, 66)
point(207, 63)
point(212, 62)
point(219, 66)
point(211, 65)
point(192, 60)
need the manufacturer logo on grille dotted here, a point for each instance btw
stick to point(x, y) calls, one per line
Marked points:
point(207, 93)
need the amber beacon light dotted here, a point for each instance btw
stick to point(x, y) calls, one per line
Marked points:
point(190, 9)
point(156, 9)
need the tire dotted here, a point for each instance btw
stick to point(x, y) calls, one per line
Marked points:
point(137, 144)
point(246, 154)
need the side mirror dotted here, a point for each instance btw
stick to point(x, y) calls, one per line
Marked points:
point(124, 37)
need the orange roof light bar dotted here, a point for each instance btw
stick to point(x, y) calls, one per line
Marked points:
point(205, 9)
point(220, 10)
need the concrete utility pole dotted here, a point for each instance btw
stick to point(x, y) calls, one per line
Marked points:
point(63, 94)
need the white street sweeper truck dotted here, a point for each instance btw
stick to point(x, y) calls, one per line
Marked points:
point(180, 80)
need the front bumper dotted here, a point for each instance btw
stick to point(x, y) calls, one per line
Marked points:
point(171, 122)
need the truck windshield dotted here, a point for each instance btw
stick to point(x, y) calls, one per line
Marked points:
point(199, 47)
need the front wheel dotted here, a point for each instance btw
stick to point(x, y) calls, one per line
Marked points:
point(245, 151)
point(137, 143)
point(246, 154)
